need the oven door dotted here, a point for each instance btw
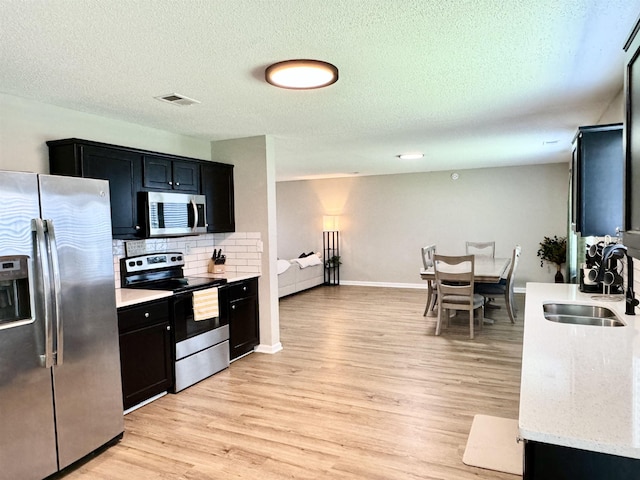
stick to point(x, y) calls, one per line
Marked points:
point(185, 326)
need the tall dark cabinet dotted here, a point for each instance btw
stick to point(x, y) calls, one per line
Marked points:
point(598, 181)
point(632, 141)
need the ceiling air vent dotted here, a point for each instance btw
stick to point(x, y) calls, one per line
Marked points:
point(176, 99)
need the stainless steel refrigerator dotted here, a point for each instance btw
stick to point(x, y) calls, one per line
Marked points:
point(60, 389)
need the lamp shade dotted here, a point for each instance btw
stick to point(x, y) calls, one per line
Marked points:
point(330, 223)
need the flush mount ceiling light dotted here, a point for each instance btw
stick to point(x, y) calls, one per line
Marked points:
point(410, 156)
point(301, 74)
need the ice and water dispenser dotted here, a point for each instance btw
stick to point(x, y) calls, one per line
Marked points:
point(15, 304)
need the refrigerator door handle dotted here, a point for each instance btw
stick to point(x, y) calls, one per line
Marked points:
point(57, 300)
point(44, 288)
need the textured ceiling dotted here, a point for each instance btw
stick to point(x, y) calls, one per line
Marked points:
point(471, 83)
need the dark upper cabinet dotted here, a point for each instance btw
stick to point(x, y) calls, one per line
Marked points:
point(166, 174)
point(598, 180)
point(632, 141)
point(216, 181)
point(121, 168)
point(131, 170)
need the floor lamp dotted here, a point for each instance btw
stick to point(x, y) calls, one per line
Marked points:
point(331, 250)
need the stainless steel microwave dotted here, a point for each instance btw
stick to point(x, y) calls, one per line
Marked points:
point(168, 214)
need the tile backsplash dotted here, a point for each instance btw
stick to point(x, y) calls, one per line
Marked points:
point(242, 249)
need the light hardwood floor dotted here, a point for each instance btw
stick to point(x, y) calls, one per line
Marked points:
point(362, 390)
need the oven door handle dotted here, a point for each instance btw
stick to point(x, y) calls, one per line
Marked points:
point(195, 214)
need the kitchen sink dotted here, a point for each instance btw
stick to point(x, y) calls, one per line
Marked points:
point(575, 309)
point(578, 314)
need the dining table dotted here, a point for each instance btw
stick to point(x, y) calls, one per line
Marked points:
point(486, 270)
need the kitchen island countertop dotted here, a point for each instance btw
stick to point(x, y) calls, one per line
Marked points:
point(580, 384)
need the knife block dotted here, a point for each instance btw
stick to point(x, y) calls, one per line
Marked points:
point(215, 268)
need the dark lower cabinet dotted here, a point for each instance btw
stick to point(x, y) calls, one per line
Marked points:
point(239, 305)
point(145, 351)
point(543, 461)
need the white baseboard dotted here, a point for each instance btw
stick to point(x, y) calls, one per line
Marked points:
point(271, 349)
point(403, 285)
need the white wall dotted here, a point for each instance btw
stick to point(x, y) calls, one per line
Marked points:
point(614, 112)
point(26, 125)
point(254, 179)
point(386, 219)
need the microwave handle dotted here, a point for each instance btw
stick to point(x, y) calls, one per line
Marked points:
point(195, 214)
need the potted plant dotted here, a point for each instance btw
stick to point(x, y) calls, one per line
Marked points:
point(334, 261)
point(554, 250)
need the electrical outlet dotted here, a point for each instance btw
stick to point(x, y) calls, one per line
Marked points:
point(135, 248)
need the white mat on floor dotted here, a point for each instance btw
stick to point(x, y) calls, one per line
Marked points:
point(492, 444)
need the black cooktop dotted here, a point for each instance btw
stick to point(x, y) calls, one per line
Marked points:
point(180, 284)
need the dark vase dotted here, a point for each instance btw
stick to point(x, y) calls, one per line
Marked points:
point(559, 277)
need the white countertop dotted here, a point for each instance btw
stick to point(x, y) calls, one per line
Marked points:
point(580, 384)
point(231, 277)
point(131, 296)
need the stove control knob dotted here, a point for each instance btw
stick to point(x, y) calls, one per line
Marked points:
point(131, 264)
point(179, 258)
point(139, 262)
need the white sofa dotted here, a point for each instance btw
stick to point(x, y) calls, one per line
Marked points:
point(299, 274)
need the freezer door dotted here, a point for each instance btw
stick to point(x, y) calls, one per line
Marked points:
point(27, 432)
point(87, 386)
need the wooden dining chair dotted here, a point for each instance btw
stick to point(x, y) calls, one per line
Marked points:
point(505, 286)
point(487, 249)
point(427, 254)
point(454, 281)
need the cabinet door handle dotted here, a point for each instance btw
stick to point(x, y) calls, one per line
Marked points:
point(170, 183)
point(168, 327)
point(137, 227)
point(233, 307)
point(244, 288)
point(146, 314)
point(177, 184)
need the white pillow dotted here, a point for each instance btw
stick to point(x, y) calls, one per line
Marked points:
point(283, 265)
point(309, 261)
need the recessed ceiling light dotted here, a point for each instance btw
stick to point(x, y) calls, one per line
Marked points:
point(301, 74)
point(410, 156)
